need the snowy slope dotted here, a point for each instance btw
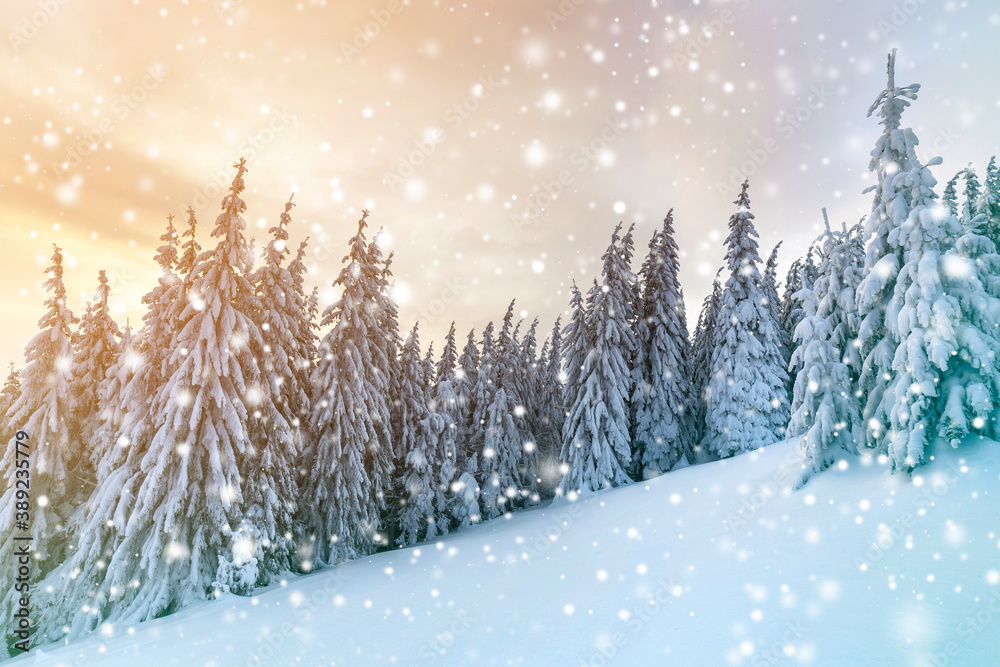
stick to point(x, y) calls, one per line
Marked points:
point(651, 574)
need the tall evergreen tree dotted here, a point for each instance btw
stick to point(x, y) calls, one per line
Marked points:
point(280, 315)
point(551, 413)
point(191, 248)
point(417, 478)
point(97, 346)
point(825, 409)
point(506, 457)
point(306, 342)
point(801, 274)
point(972, 193)
point(893, 155)
point(8, 396)
point(501, 479)
point(203, 519)
point(129, 415)
point(967, 399)
point(936, 349)
point(127, 405)
point(464, 500)
point(42, 412)
point(702, 347)
point(349, 461)
point(596, 443)
point(441, 429)
point(950, 196)
point(482, 396)
point(988, 204)
point(770, 286)
point(747, 404)
point(663, 392)
point(466, 380)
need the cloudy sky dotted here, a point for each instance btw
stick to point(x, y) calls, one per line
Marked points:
point(455, 123)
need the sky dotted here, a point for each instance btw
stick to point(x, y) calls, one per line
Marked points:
point(497, 143)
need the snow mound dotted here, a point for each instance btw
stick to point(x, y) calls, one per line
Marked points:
point(718, 564)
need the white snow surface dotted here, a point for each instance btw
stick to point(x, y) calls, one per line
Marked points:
point(655, 573)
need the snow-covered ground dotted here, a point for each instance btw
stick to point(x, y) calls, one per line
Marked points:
point(717, 564)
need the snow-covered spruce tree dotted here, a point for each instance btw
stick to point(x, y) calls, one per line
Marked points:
point(466, 379)
point(747, 404)
point(972, 193)
point(968, 396)
point(576, 347)
point(663, 392)
point(409, 408)
point(441, 429)
point(944, 368)
point(464, 499)
point(8, 396)
point(501, 482)
point(551, 413)
point(482, 396)
point(801, 274)
point(524, 380)
point(268, 466)
point(306, 341)
point(988, 203)
point(527, 379)
point(506, 457)
point(387, 339)
point(841, 293)
point(416, 492)
point(950, 196)
point(938, 347)
point(89, 579)
point(702, 347)
point(893, 155)
point(770, 286)
point(42, 412)
point(216, 500)
point(825, 405)
point(280, 315)
point(596, 444)
point(191, 248)
point(97, 346)
point(348, 463)
point(129, 412)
